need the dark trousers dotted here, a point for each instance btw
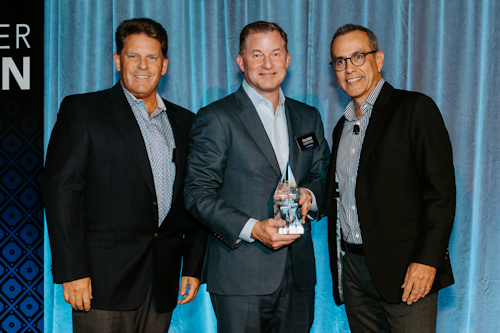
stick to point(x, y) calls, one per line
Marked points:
point(144, 319)
point(368, 312)
point(288, 309)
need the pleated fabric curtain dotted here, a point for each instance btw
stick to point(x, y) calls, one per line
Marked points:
point(446, 49)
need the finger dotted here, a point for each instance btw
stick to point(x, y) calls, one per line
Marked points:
point(279, 245)
point(184, 284)
point(189, 296)
point(86, 301)
point(72, 302)
point(79, 302)
point(427, 289)
point(305, 211)
point(407, 290)
point(66, 297)
point(90, 290)
point(274, 223)
point(415, 295)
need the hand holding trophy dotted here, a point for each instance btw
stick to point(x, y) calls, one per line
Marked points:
point(286, 198)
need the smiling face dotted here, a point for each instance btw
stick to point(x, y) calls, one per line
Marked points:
point(357, 82)
point(264, 62)
point(141, 65)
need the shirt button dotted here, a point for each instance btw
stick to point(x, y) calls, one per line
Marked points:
point(277, 141)
point(357, 235)
point(353, 179)
point(353, 150)
point(281, 163)
point(353, 207)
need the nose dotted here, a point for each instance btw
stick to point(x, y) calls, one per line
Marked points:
point(349, 67)
point(267, 63)
point(142, 63)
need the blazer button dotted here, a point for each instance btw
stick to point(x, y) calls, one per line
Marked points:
point(155, 203)
point(156, 235)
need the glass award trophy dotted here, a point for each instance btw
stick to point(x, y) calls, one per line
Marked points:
point(286, 198)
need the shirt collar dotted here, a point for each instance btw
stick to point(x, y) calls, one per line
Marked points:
point(132, 99)
point(257, 98)
point(350, 110)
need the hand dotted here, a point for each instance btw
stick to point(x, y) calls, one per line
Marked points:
point(78, 293)
point(194, 286)
point(305, 201)
point(418, 282)
point(266, 233)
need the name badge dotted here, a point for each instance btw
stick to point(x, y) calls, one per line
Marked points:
point(307, 141)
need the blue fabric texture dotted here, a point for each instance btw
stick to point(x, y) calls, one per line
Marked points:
point(445, 49)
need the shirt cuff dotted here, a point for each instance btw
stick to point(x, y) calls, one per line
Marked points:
point(314, 205)
point(246, 232)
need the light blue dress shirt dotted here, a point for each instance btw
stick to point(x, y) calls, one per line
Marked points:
point(160, 145)
point(277, 130)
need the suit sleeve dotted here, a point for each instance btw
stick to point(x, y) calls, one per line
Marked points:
point(195, 244)
point(63, 188)
point(319, 169)
point(434, 163)
point(208, 152)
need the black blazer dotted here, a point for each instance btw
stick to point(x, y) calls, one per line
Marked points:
point(405, 193)
point(101, 209)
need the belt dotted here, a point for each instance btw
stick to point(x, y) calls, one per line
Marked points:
point(355, 248)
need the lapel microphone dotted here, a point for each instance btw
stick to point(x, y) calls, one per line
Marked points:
point(355, 130)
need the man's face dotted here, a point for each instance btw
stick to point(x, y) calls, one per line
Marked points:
point(357, 82)
point(141, 65)
point(264, 62)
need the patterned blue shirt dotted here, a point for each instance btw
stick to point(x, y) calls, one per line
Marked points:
point(160, 144)
point(348, 155)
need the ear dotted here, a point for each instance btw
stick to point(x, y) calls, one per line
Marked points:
point(380, 60)
point(164, 66)
point(287, 60)
point(241, 63)
point(116, 59)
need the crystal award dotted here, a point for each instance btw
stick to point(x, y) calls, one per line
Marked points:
point(286, 198)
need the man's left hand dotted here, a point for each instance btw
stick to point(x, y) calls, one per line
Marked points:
point(305, 201)
point(194, 286)
point(418, 282)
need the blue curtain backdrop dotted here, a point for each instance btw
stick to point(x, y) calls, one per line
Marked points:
point(445, 49)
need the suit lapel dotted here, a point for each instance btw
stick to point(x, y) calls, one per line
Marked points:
point(181, 148)
point(377, 119)
point(253, 124)
point(131, 133)
point(293, 125)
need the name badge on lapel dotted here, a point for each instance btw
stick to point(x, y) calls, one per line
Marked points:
point(307, 141)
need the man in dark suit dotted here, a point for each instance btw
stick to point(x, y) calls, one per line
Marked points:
point(259, 280)
point(393, 162)
point(113, 190)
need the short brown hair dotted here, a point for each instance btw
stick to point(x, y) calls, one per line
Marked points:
point(141, 26)
point(260, 26)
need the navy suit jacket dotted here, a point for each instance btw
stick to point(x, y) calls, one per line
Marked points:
point(232, 175)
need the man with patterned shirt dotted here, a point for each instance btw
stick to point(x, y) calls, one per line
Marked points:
point(392, 160)
point(113, 191)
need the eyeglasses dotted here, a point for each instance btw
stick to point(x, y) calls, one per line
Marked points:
point(357, 60)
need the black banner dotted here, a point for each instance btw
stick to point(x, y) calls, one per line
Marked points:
point(21, 161)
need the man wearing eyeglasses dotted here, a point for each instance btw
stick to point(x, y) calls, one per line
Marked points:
point(392, 161)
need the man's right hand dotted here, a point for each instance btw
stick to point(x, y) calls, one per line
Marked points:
point(266, 233)
point(78, 293)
